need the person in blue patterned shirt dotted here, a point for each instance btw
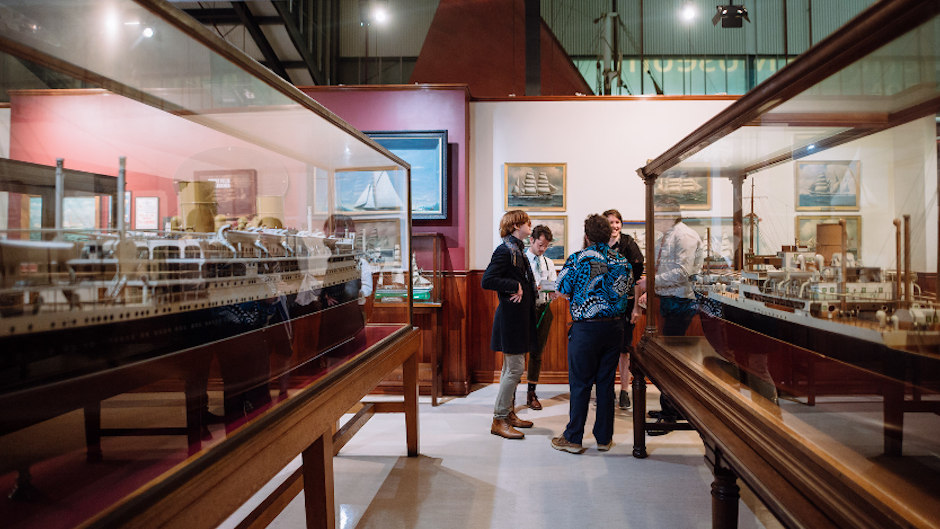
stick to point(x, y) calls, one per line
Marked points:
point(597, 282)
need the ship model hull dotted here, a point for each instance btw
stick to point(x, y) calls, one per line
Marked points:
point(274, 305)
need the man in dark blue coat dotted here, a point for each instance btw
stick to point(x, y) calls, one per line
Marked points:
point(510, 275)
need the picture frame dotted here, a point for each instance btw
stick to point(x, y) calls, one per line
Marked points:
point(827, 185)
point(236, 191)
point(146, 213)
point(380, 239)
point(535, 186)
point(722, 237)
point(690, 188)
point(637, 230)
point(369, 190)
point(805, 230)
point(558, 251)
point(426, 152)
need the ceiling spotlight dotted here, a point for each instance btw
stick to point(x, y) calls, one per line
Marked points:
point(688, 12)
point(731, 16)
point(379, 14)
point(147, 33)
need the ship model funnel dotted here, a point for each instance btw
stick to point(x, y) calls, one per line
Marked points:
point(198, 205)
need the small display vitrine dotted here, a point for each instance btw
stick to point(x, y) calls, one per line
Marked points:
point(187, 246)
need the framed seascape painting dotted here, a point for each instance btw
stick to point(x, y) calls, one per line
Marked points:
point(426, 152)
point(806, 231)
point(373, 190)
point(558, 251)
point(827, 186)
point(535, 186)
point(691, 189)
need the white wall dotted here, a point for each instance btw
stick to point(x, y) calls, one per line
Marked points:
point(603, 143)
point(898, 172)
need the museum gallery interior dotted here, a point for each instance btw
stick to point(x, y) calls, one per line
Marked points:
point(242, 246)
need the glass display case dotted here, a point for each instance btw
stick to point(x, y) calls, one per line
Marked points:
point(824, 333)
point(183, 250)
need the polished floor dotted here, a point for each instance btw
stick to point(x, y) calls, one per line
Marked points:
point(467, 478)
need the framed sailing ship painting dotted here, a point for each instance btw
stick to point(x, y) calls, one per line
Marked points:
point(535, 186)
point(827, 186)
point(691, 189)
point(426, 152)
point(637, 230)
point(372, 190)
point(558, 250)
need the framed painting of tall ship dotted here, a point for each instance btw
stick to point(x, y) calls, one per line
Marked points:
point(806, 231)
point(535, 186)
point(827, 185)
point(558, 250)
point(426, 152)
point(692, 190)
point(369, 190)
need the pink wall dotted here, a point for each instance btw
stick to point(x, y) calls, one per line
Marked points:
point(417, 107)
point(91, 129)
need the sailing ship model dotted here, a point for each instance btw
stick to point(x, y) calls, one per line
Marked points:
point(678, 185)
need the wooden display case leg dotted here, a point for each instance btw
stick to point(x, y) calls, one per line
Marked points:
point(725, 496)
point(436, 352)
point(93, 432)
point(318, 483)
point(639, 410)
point(410, 382)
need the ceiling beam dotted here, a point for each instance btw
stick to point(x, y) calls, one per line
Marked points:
point(270, 57)
point(227, 17)
point(297, 37)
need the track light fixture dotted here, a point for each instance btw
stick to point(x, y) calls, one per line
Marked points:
point(731, 16)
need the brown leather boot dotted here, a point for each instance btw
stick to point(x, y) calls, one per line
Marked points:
point(532, 401)
point(502, 428)
point(515, 421)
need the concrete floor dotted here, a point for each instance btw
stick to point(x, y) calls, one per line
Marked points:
point(467, 478)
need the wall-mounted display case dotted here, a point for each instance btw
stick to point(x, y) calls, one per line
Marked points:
point(821, 345)
point(177, 259)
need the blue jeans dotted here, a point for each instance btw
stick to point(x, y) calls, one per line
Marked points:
point(593, 352)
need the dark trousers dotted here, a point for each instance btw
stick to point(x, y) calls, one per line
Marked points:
point(593, 351)
point(677, 315)
point(543, 325)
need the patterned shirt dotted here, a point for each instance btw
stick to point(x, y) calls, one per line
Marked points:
point(597, 281)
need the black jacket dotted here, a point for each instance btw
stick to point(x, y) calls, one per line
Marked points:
point(628, 248)
point(514, 323)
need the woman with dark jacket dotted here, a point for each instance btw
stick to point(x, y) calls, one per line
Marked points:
point(510, 275)
point(628, 249)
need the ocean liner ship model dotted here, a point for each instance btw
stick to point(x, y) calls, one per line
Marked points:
point(803, 303)
point(93, 313)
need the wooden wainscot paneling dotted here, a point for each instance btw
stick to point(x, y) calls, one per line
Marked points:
point(485, 364)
